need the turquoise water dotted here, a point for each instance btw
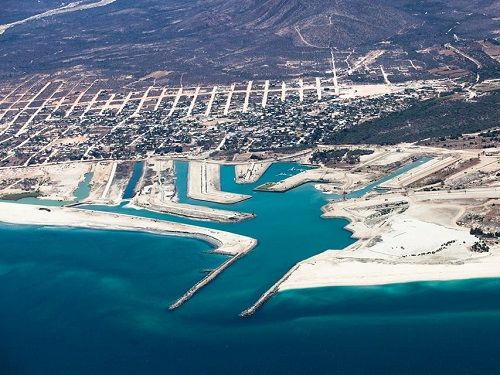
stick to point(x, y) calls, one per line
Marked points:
point(83, 301)
point(82, 191)
point(132, 184)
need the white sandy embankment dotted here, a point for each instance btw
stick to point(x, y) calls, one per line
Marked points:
point(250, 173)
point(421, 244)
point(158, 193)
point(204, 184)
point(328, 179)
point(189, 210)
point(419, 172)
point(52, 182)
point(226, 243)
point(14, 213)
point(108, 183)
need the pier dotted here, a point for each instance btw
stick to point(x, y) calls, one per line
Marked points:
point(268, 294)
point(212, 274)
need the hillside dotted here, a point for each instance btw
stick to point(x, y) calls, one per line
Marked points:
point(230, 40)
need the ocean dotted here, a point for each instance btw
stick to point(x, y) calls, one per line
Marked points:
point(79, 301)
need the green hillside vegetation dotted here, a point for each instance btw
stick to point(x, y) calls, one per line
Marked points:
point(431, 118)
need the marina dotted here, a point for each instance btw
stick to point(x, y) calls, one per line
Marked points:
point(128, 288)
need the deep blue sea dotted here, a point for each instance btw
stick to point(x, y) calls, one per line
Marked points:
point(77, 301)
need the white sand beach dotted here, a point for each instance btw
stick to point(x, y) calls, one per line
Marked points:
point(226, 243)
point(423, 243)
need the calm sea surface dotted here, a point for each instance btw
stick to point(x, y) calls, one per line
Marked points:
point(77, 301)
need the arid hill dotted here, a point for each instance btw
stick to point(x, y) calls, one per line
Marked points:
point(215, 40)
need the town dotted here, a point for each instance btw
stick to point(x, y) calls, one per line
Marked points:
point(44, 121)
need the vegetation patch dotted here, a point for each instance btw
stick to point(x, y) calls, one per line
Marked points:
point(439, 117)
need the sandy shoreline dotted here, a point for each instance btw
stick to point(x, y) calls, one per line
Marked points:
point(423, 243)
point(356, 271)
point(226, 243)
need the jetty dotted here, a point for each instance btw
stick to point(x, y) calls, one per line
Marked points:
point(211, 275)
point(268, 294)
point(225, 243)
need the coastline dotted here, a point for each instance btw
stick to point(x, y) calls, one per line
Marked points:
point(400, 238)
point(356, 271)
point(405, 247)
point(233, 245)
point(24, 214)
